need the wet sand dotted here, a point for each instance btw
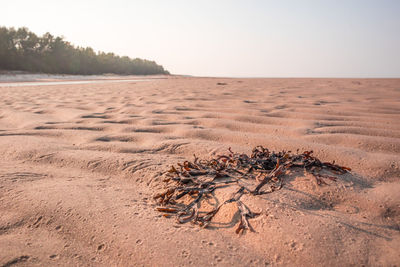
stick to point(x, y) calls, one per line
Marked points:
point(80, 163)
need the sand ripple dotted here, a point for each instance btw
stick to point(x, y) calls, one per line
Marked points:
point(92, 155)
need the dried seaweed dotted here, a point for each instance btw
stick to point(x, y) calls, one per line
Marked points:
point(200, 178)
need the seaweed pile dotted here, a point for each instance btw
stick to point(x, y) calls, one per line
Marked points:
point(200, 178)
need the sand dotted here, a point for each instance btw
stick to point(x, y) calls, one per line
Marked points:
point(80, 163)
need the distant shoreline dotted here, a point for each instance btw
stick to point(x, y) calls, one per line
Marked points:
point(9, 76)
point(23, 76)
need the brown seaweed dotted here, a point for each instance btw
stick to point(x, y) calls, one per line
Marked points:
point(200, 178)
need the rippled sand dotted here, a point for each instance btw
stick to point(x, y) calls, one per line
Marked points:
point(80, 164)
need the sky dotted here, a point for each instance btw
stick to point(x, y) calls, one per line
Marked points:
point(248, 38)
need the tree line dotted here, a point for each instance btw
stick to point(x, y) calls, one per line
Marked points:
point(21, 49)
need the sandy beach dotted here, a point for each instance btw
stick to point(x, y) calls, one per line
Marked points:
point(80, 164)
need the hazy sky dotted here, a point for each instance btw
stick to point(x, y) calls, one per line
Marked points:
point(248, 38)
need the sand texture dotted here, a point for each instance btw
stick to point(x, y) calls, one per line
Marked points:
point(79, 165)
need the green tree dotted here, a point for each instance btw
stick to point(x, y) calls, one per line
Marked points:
point(23, 50)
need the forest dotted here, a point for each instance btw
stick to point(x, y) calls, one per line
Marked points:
point(21, 49)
